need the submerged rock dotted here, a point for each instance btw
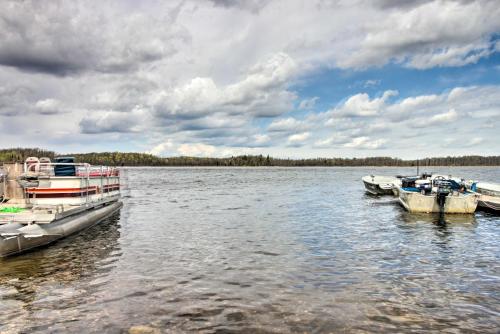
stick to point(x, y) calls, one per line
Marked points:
point(141, 329)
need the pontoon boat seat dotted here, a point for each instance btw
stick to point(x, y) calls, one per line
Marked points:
point(32, 164)
point(64, 170)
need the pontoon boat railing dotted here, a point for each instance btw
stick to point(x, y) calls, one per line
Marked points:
point(89, 171)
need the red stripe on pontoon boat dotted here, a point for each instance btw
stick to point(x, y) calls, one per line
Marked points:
point(59, 195)
point(56, 190)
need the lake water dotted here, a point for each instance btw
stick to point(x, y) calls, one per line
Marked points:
point(258, 250)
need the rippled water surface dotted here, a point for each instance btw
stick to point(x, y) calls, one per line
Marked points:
point(261, 250)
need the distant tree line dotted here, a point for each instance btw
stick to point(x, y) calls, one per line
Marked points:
point(145, 159)
point(20, 154)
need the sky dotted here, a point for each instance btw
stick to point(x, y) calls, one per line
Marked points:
point(298, 79)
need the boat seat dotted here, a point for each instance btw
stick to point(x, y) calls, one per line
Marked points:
point(45, 166)
point(64, 170)
point(32, 164)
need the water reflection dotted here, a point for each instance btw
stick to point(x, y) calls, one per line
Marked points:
point(26, 279)
point(436, 219)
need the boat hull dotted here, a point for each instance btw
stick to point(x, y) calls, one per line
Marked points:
point(489, 203)
point(375, 189)
point(379, 185)
point(416, 202)
point(48, 233)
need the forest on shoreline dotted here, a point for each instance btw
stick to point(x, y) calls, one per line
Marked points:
point(145, 159)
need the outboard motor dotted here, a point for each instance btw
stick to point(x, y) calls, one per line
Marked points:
point(444, 188)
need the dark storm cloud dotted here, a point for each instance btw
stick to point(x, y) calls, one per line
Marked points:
point(63, 38)
point(406, 4)
point(252, 5)
point(36, 63)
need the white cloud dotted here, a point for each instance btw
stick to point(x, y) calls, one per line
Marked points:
point(298, 138)
point(331, 141)
point(475, 141)
point(308, 104)
point(361, 105)
point(261, 139)
point(197, 150)
point(365, 143)
point(371, 83)
point(452, 56)
point(49, 106)
point(284, 124)
point(439, 119)
point(435, 33)
point(99, 121)
point(162, 148)
point(261, 93)
point(449, 116)
point(459, 111)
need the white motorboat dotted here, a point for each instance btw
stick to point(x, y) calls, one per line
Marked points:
point(436, 194)
point(380, 185)
point(489, 195)
point(43, 201)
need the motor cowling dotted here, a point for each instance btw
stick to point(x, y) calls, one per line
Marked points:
point(444, 188)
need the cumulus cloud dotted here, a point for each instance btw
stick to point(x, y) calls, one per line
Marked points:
point(442, 118)
point(361, 105)
point(49, 107)
point(424, 117)
point(100, 121)
point(432, 33)
point(284, 124)
point(331, 141)
point(298, 139)
point(365, 143)
point(162, 148)
point(261, 93)
point(261, 139)
point(197, 150)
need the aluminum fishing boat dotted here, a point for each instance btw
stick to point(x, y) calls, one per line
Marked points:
point(43, 201)
point(436, 194)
